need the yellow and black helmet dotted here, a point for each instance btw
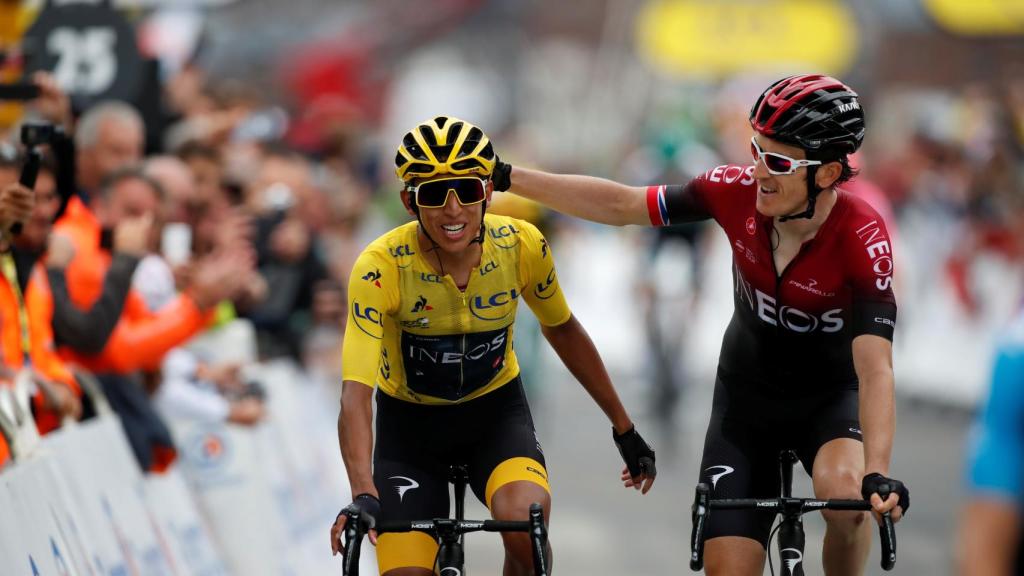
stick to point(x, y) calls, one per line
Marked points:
point(444, 145)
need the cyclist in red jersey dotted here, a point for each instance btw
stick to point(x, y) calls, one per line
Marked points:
point(806, 362)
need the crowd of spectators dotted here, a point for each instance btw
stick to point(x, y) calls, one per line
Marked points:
point(130, 244)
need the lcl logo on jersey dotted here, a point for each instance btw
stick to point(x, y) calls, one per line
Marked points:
point(400, 252)
point(543, 289)
point(491, 307)
point(488, 268)
point(505, 236)
point(430, 277)
point(366, 318)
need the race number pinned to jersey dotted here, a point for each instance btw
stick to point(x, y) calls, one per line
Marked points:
point(90, 49)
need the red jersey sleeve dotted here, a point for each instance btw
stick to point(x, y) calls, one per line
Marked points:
point(871, 273)
point(706, 196)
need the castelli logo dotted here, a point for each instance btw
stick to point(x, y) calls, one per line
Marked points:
point(751, 226)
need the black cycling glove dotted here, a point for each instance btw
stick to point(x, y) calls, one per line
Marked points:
point(368, 507)
point(639, 457)
point(873, 482)
point(502, 175)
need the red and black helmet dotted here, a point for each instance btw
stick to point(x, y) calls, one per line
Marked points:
point(814, 112)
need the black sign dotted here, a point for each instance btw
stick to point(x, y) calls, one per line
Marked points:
point(89, 48)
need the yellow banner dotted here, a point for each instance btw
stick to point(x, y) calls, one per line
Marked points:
point(714, 38)
point(978, 17)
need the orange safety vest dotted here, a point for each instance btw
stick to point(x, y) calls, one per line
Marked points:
point(38, 308)
point(141, 338)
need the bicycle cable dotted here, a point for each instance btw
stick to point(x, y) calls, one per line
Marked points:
point(771, 567)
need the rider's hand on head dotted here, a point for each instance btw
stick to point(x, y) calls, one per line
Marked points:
point(501, 177)
point(369, 505)
point(896, 504)
point(640, 471)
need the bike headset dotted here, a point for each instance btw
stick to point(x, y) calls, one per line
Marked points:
point(444, 145)
point(817, 113)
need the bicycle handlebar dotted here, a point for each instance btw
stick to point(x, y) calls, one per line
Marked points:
point(703, 504)
point(432, 527)
point(358, 524)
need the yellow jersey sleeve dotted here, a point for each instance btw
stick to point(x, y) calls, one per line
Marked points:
point(539, 281)
point(372, 299)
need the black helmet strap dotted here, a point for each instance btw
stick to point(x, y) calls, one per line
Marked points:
point(812, 197)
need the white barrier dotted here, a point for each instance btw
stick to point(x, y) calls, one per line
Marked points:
point(246, 501)
point(80, 505)
point(271, 492)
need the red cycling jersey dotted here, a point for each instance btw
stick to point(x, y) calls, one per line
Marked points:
point(791, 330)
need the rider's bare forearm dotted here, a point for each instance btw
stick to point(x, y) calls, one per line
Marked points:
point(587, 197)
point(355, 435)
point(873, 362)
point(578, 353)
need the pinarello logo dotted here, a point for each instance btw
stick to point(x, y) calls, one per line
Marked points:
point(751, 226)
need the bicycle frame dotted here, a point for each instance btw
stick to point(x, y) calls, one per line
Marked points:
point(448, 532)
point(791, 527)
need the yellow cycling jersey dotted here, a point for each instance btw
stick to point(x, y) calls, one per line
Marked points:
point(416, 335)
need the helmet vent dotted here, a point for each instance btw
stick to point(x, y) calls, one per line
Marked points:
point(441, 121)
point(467, 164)
point(428, 136)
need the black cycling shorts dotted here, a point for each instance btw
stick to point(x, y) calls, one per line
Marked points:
point(744, 438)
point(493, 436)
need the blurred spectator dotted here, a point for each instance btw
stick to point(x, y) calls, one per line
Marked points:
point(109, 137)
point(990, 530)
point(194, 391)
point(289, 258)
point(141, 337)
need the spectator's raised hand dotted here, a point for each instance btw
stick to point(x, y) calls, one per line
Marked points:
point(247, 411)
point(16, 204)
point(236, 230)
point(132, 236)
point(60, 250)
point(52, 104)
point(290, 240)
point(221, 276)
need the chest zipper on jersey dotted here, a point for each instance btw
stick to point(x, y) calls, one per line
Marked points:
point(462, 363)
point(778, 289)
point(462, 358)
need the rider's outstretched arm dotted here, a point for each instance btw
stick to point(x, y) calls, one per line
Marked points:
point(578, 353)
point(586, 197)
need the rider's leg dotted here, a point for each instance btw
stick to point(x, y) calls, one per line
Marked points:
point(512, 502)
point(411, 480)
point(838, 470)
point(728, 555)
point(506, 470)
point(739, 461)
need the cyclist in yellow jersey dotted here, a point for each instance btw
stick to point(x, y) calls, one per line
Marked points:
point(431, 311)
